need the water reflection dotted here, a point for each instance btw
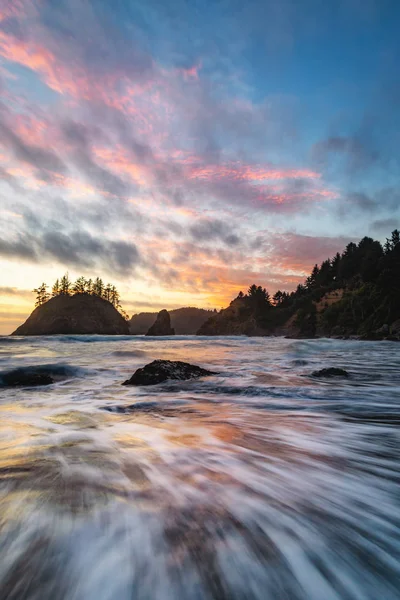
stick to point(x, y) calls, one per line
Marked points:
point(260, 483)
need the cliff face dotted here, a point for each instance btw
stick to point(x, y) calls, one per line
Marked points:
point(185, 321)
point(78, 314)
point(162, 325)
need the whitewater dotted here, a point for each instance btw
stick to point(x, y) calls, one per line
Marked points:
point(260, 482)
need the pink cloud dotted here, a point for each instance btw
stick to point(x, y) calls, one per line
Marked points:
point(297, 252)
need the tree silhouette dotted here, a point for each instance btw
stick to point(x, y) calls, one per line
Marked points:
point(115, 297)
point(395, 238)
point(259, 294)
point(41, 294)
point(98, 287)
point(82, 285)
point(55, 290)
point(277, 298)
point(65, 285)
point(79, 286)
point(89, 287)
point(107, 292)
point(312, 279)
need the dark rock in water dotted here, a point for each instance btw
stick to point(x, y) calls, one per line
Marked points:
point(330, 372)
point(78, 314)
point(162, 370)
point(25, 378)
point(37, 375)
point(162, 325)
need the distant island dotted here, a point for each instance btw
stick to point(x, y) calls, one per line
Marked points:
point(357, 293)
point(84, 307)
point(185, 321)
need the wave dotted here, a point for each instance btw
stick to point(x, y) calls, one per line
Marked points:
point(89, 338)
point(10, 340)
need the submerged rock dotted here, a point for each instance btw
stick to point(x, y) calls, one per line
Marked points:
point(24, 378)
point(162, 325)
point(36, 375)
point(162, 370)
point(330, 372)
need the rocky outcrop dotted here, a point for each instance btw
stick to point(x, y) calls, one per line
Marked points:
point(185, 321)
point(237, 319)
point(330, 372)
point(159, 371)
point(78, 314)
point(162, 325)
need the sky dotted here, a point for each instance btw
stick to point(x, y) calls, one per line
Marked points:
point(185, 149)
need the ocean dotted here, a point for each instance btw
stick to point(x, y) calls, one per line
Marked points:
point(260, 482)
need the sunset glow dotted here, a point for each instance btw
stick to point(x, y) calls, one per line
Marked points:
point(214, 157)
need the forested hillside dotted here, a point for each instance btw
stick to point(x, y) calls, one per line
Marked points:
point(356, 292)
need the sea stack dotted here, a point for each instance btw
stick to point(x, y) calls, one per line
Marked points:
point(162, 325)
point(78, 314)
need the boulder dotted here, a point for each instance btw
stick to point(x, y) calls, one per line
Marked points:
point(330, 372)
point(159, 371)
point(162, 325)
point(78, 314)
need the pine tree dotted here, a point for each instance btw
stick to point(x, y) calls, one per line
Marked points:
point(300, 290)
point(98, 287)
point(259, 297)
point(55, 290)
point(89, 287)
point(124, 314)
point(388, 246)
point(335, 266)
point(107, 292)
point(41, 295)
point(312, 279)
point(65, 285)
point(114, 297)
point(395, 238)
point(79, 286)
